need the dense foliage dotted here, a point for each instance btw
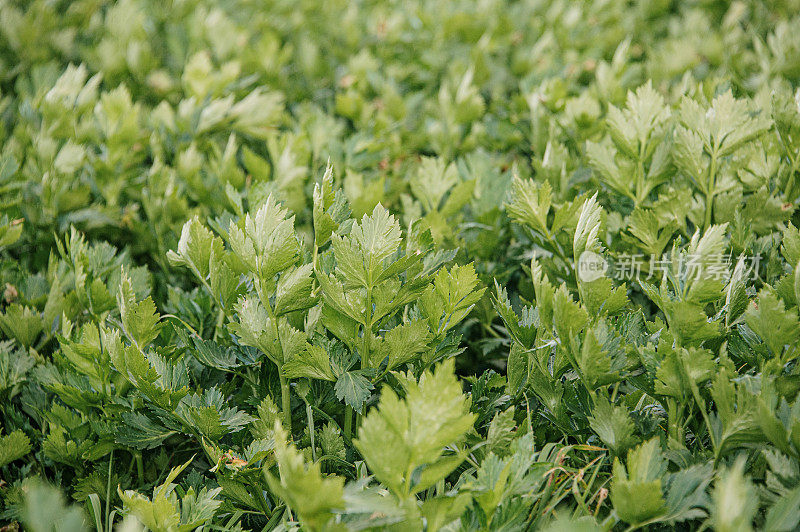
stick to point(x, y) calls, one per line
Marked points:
point(445, 265)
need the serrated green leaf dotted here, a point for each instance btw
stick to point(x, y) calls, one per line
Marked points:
point(401, 435)
point(784, 515)
point(294, 290)
point(303, 487)
point(140, 432)
point(402, 344)
point(734, 501)
point(21, 323)
point(613, 426)
point(775, 325)
point(353, 388)
point(195, 248)
point(636, 491)
point(451, 298)
point(530, 204)
point(140, 321)
point(13, 447)
point(313, 362)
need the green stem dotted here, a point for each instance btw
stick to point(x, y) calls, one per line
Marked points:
point(672, 419)
point(365, 361)
point(286, 403)
point(709, 203)
point(790, 182)
point(108, 491)
point(218, 331)
point(286, 398)
point(701, 404)
point(555, 247)
point(310, 417)
point(348, 421)
point(793, 166)
point(324, 415)
point(639, 178)
point(139, 465)
point(789, 186)
point(367, 346)
point(711, 185)
point(315, 266)
point(614, 392)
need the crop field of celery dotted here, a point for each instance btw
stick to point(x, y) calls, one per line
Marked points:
point(453, 265)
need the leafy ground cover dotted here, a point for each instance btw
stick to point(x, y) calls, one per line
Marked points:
point(399, 265)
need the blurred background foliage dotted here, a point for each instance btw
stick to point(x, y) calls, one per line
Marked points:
point(120, 121)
